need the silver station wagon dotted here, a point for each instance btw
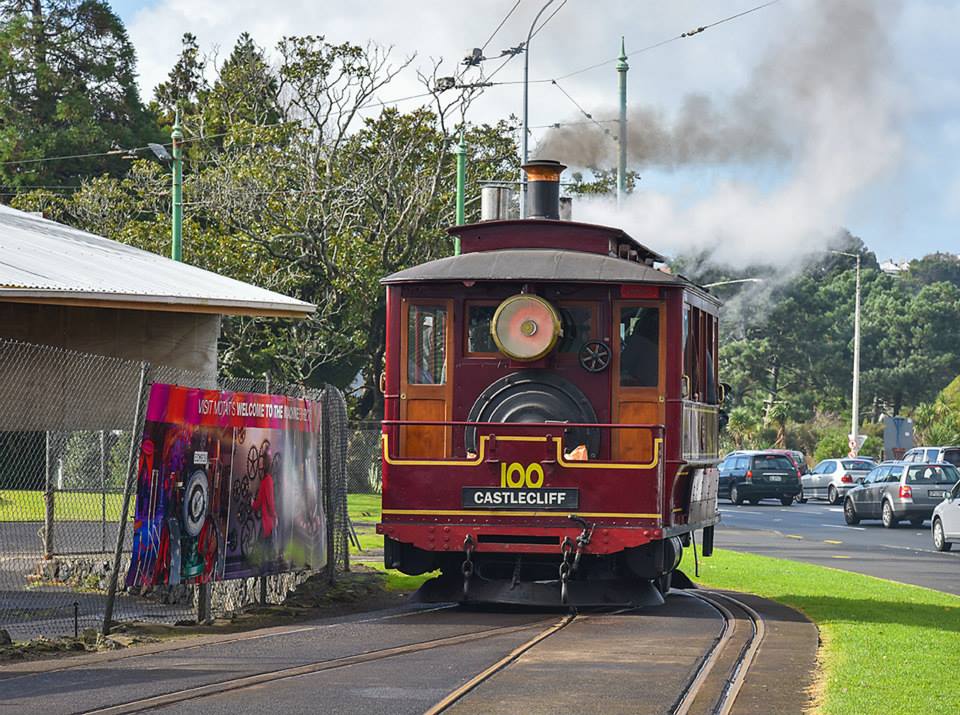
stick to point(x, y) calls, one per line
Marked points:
point(897, 491)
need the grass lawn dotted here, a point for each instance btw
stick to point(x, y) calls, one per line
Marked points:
point(364, 508)
point(17, 505)
point(886, 647)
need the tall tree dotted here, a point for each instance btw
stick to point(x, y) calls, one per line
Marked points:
point(185, 83)
point(68, 89)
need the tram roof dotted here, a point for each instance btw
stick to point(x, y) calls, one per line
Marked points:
point(537, 264)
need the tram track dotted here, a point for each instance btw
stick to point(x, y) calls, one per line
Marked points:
point(711, 689)
point(272, 676)
point(715, 685)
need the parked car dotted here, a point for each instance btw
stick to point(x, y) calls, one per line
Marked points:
point(833, 478)
point(950, 455)
point(945, 524)
point(752, 476)
point(799, 461)
point(900, 490)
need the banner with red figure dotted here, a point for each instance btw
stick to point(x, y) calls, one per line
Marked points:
point(227, 487)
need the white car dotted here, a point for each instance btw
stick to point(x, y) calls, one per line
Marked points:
point(833, 478)
point(945, 524)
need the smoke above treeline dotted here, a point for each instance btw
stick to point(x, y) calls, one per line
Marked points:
point(820, 113)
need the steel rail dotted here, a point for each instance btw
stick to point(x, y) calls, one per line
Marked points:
point(741, 665)
point(205, 641)
point(270, 676)
point(747, 655)
point(455, 695)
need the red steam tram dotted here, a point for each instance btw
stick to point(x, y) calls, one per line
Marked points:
point(551, 414)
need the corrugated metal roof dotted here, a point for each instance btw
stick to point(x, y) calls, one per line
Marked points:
point(535, 264)
point(47, 262)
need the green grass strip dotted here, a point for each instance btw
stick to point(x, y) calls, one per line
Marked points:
point(17, 505)
point(887, 647)
point(363, 508)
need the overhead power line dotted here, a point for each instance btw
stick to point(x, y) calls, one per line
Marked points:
point(502, 23)
point(681, 36)
point(583, 111)
point(485, 83)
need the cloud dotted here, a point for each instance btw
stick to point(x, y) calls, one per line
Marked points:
point(827, 96)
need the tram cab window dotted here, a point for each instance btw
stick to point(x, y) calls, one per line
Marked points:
point(479, 339)
point(639, 346)
point(577, 323)
point(426, 345)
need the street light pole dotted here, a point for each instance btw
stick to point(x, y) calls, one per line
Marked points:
point(622, 68)
point(176, 137)
point(855, 397)
point(526, 110)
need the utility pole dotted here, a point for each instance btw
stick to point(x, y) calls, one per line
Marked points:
point(461, 152)
point(526, 110)
point(176, 248)
point(622, 68)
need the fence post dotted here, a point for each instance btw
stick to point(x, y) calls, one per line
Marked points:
point(103, 491)
point(263, 579)
point(48, 517)
point(132, 461)
point(328, 495)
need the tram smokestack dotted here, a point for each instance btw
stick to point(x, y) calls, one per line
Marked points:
point(543, 188)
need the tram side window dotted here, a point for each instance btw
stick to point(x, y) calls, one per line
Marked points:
point(479, 339)
point(426, 345)
point(639, 346)
point(699, 355)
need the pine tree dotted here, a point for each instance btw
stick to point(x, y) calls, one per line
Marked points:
point(68, 88)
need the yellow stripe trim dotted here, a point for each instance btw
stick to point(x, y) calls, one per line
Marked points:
point(479, 459)
point(478, 512)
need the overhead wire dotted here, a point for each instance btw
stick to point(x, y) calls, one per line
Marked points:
point(486, 82)
point(583, 111)
point(661, 43)
point(522, 45)
point(502, 23)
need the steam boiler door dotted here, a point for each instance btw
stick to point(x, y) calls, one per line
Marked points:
point(195, 500)
point(536, 396)
point(525, 327)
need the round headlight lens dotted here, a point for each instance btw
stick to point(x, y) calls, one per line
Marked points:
point(525, 327)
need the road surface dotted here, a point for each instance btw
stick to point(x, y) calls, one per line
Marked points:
point(816, 532)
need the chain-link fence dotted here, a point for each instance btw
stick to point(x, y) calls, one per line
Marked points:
point(70, 425)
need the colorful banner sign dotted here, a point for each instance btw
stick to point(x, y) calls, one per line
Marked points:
point(227, 487)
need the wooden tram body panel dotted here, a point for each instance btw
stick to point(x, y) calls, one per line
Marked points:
point(643, 483)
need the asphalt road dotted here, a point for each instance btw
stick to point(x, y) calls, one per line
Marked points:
point(816, 532)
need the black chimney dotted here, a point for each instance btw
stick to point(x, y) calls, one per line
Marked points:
point(543, 188)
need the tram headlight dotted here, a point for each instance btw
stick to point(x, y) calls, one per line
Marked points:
point(525, 327)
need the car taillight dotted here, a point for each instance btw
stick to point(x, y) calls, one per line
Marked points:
point(798, 473)
point(749, 474)
point(906, 492)
point(846, 479)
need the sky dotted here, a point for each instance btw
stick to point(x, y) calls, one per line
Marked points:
point(877, 157)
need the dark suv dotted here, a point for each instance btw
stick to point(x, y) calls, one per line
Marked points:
point(752, 476)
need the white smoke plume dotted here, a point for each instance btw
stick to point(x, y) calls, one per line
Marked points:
point(822, 108)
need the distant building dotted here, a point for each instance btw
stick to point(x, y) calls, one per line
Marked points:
point(892, 268)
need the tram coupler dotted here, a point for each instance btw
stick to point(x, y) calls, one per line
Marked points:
point(467, 566)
